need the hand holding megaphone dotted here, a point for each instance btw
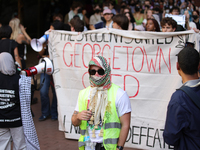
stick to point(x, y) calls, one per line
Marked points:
point(36, 44)
point(45, 65)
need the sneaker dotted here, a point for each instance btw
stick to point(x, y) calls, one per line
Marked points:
point(42, 118)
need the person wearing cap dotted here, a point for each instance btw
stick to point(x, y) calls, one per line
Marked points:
point(106, 20)
point(182, 121)
point(103, 110)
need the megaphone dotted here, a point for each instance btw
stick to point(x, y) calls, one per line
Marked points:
point(45, 65)
point(36, 44)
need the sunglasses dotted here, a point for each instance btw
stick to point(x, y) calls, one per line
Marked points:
point(93, 72)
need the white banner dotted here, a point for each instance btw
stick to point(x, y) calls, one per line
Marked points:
point(180, 19)
point(142, 63)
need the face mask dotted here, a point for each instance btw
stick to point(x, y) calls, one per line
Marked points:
point(123, 6)
point(100, 80)
point(80, 10)
point(133, 4)
point(147, 6)
point(105, 7)
point(97, 11)
point(96, 77)
point(194, 17)
point(137, 9)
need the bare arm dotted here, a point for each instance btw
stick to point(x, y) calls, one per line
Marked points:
point(43, 51)
point(66, 19)
point(16, 55)
point(187, 20)
point(145, 13)
point(125, 123)
point(187, 24)
point(92, 27)
point(78, 116)
point(27, 38)
point(75, 120)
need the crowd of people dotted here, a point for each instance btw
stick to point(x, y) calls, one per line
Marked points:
point(144, 15)
point(93, 117)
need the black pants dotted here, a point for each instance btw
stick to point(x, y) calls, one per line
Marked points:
point(23, 62)
point(99, 146)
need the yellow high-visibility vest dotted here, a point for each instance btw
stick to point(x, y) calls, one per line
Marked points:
point(111, 126)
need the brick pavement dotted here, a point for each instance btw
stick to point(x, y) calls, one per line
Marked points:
point(50, 138)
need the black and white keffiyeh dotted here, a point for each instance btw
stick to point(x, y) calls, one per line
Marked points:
point(30, 133)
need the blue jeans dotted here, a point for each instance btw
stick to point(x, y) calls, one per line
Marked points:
point(44, 95)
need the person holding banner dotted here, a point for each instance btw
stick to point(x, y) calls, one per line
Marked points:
point(131, 24)
point(8, 45)
point(103, 110)
point(168, 24)
point(152, 25)
point(182, 121)
point(76, 24)
point(120, 21)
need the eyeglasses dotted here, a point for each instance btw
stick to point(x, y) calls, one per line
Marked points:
point(93, 72)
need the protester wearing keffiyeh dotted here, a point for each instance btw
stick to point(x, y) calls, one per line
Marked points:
point(99, 86)
point(103, 80)
point(103, 110)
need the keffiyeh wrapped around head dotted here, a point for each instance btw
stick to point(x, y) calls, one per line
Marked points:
point(98, 93)
point(101, 80)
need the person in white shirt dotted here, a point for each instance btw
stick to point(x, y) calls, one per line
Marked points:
point(103, 110)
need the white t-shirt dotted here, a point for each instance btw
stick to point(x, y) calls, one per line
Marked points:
point(123, 106)
point(95, 19)
point(110, 25)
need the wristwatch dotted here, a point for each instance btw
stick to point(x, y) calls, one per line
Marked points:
point(120, 147)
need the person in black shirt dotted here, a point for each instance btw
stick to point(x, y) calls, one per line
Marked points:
point(8, 45)
point(11, 128)
point(20, 35)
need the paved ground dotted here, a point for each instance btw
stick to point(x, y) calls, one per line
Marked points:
point(50, 138)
